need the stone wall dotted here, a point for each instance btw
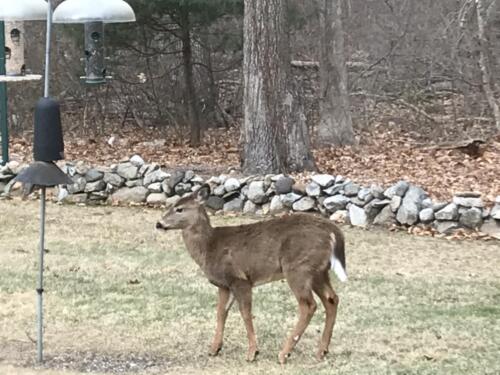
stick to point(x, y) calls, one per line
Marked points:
point(135, 182)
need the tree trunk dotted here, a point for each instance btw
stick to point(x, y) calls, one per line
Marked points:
point(190, 96)
point(485, 62)
point(274, 141)
point(335, 127)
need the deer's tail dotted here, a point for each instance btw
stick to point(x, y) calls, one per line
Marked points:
point(337, 260)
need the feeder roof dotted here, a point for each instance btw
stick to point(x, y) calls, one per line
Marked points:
point(82, 11)
point(23, 10)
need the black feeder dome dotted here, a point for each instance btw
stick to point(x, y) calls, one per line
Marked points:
point(48, 143)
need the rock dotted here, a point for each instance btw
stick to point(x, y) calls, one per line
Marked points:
point(411, 205)
point(232, 184)
point(358, 202)
point(128, 171)
point(468, 202)
point(81, 168)
point(236, 205)
point(448, 213)
point(446, 227)
point(380, 203)
point(197, 180)
point(313, 189)
point(386, 217)
point(491, 228)
point(155, 176)
point(165, 187)
point(146, 169)
point(113, 179)
point(257, 192)
point(175, 179)
point(283, 185)
point(78, 186)
point(497, 199)
point(156, 199)
point(304, 204)
point(299, 188)
point(373, 208)
point(62, 194)
point(97, 197)
point(396, 201)
point(93, 187)
point(468, 194)
point(188, 176)
point(427, 203)
point(377, 191)
point(277, 205)
point(438, 206)
point(289, 199)
point(249, 208)
point(171, 201)
point(365, 195)
point(399, 189)
point(333, 190)
point(323, 180)
point(182, 188)
point(335, 203)
point(495, 212)
point(339, 179)
point(219, 190)
point(351, 189)
point(339, 216)
point(137, 161)
point(155, 188)
point(426, 215)
point(472, 218)
point(357, 216)
point(136, 194)
point(215, 203)
point(134, 183)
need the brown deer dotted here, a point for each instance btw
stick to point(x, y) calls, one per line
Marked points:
point(300, 248)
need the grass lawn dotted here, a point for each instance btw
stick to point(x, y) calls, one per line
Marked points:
point(122, 297)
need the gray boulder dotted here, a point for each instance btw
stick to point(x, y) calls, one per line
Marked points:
point(182, 188)
point(492, 228)
point(289, 199)
point(426, 215)
point(334, 190)
point(249, 208)
point(155, 176)
point(400, 189)
point(411, 205)
point(175, 179)
point(156, 199)
point(495, 211)
point(93, 175)
point(128, 171)
point(357, 216)
point(155, 188)
point(136, 194)
point(92, 187)
point(323, 180)
point(472, 218)
point(215, 203)
point(377, 191)
point(134, 183)
point(351, 189)
point(313, 189)
point(137, 161)
point(257, 192)
point(335, 203)
point(365, 195)
point(283, 185)
point(304, 204)
point(219, 190)
point(188, 176)
point(113, 179)
point(386, 217)
point(446, 227)
point(78, 186)
point(448, 213)
point(373, 208)
point(236, 205)
point(277, 205)
point(232, 184)
point(396, 203)
point(468, 201)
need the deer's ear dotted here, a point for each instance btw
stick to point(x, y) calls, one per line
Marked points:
point(203, 193)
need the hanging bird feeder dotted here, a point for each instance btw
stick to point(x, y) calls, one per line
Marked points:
point(94, 15)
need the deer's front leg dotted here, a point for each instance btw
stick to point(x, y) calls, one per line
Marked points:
point(243, 294)
point(224, 303)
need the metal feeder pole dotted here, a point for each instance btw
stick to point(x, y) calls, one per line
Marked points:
point(4, 129)
point(39, 289)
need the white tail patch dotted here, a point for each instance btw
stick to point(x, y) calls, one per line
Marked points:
point(336, 266)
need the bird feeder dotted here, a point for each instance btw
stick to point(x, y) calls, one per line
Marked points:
point(94, 15)
point(14, 13)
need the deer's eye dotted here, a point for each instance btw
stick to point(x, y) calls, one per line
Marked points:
point(179, 209)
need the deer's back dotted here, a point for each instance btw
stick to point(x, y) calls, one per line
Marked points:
point(263, 251)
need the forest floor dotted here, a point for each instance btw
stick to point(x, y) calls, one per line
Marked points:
point(122, 297)
point(386, 152)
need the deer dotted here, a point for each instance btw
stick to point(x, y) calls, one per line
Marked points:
point(300, 248)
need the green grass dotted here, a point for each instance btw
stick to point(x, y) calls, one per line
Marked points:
point(119, 293)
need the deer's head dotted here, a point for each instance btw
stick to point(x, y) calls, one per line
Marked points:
point(186, 212)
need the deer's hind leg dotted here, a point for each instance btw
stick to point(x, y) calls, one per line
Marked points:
point(323, 288)
point(301, 286)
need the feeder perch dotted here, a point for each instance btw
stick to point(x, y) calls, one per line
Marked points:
point(94, 16)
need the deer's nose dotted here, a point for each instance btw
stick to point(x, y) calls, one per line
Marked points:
point(159, 225)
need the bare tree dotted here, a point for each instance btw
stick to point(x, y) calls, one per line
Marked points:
point(274, 133)
point(335, 127)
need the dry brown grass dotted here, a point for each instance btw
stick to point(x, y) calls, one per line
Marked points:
point(121, 296)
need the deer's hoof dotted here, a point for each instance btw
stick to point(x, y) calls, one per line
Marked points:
point(321, 354)
point(252, 354)
point(282, 357)
point(214, 350)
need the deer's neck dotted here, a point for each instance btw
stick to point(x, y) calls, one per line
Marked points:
point(197, 238)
